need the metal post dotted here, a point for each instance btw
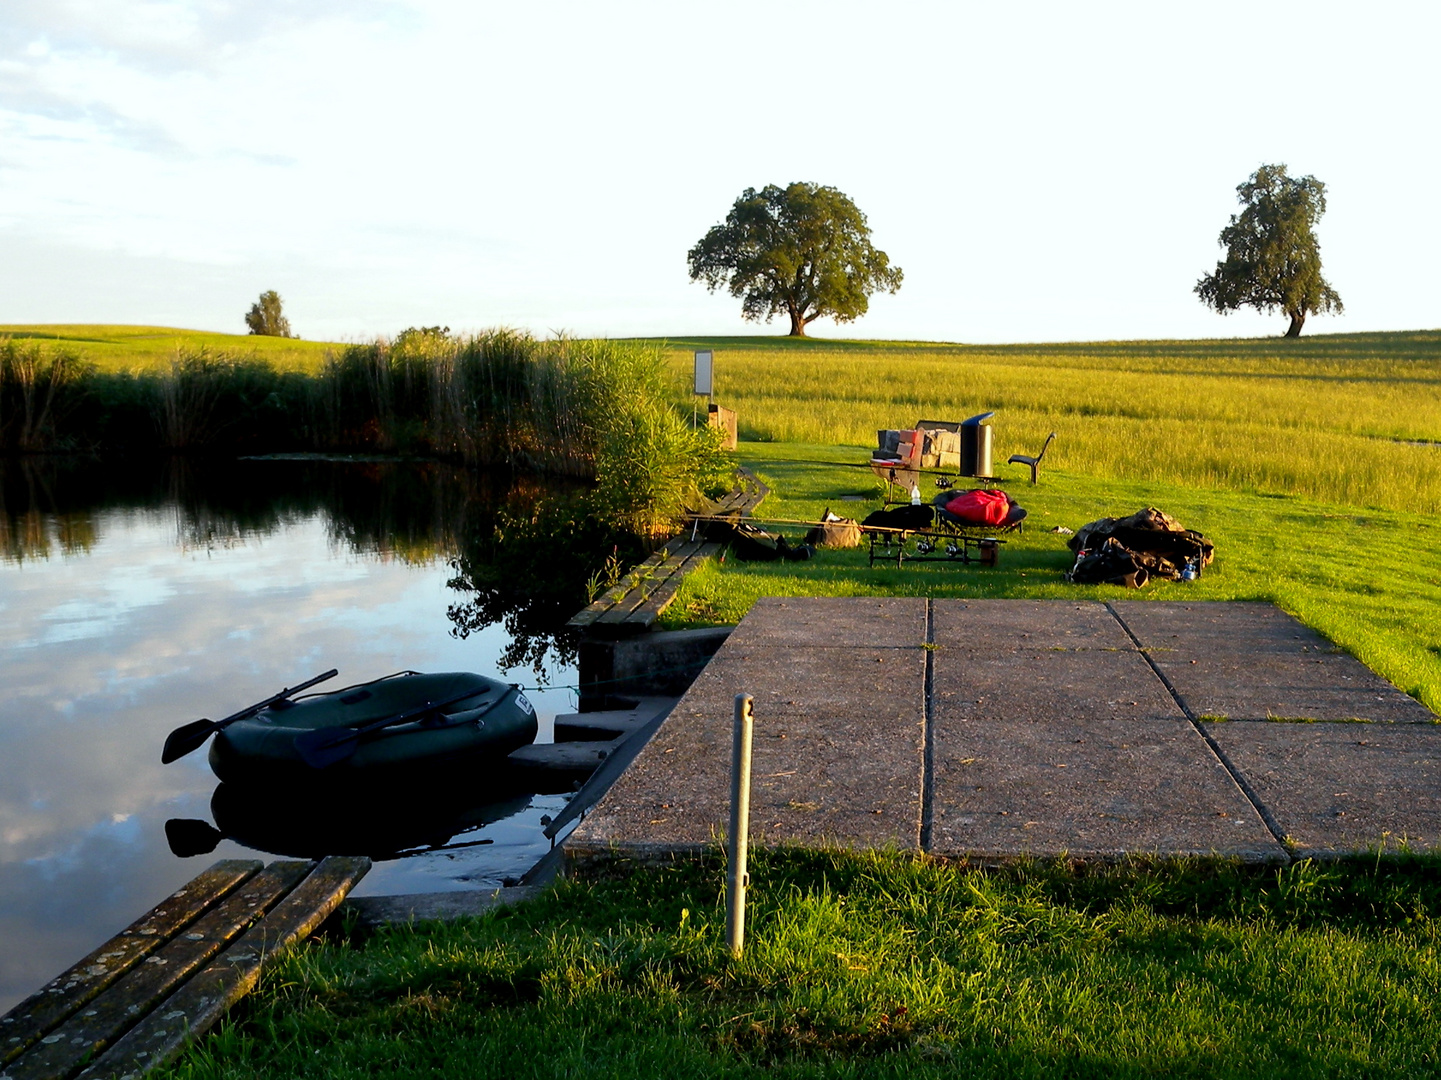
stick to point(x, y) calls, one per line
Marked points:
point(740, 826)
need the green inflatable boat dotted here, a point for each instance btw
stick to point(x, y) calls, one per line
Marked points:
point(399, 725)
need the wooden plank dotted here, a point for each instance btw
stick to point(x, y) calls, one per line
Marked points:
point(756, 489)
point(618, 591)
point(23, 1025)
point(197, 1005)
point(661, 598)
point(110, 1015)
point(644, 588)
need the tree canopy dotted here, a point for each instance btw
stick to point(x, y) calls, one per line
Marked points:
point(803, 251)
point(1273, 260)
point(265, 318)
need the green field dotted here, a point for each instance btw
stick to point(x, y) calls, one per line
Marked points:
point(1331, 417)
point(149, 348)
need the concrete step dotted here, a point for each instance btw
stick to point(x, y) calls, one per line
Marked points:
point(577, 759)
point(609, 724)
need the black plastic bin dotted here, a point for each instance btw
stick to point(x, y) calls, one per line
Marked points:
point(976, 446)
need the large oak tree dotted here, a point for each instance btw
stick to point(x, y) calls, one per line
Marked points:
point(1273, 260)
point(803, 251)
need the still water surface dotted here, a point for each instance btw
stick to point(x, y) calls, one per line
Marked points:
point(131, 604)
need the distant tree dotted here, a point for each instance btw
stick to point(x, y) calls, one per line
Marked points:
point(1273, 260)
point(265, 318)
point(803, 251)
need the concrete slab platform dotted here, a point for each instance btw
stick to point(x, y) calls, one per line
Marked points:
point(1040, 659)
point(838, 622)
point(812, 682)
point(1336, 788)
point(1046, 684)
point(1252, 661)
point(837, 757)
point(1032, 624)
point(1093, 787)
point(1031, 728)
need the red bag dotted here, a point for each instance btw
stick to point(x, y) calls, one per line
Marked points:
point(981, 507)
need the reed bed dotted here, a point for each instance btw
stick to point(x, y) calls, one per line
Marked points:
point(598, 410)
point(1356, 422)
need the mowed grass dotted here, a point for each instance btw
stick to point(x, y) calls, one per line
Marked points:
point(881, 965)
point(1370, 580)
point(1332, 417)
point(152, 348)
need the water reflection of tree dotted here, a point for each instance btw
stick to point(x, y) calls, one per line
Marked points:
point(522, 549)
point(527, 568)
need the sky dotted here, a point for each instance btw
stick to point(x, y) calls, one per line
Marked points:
point(1040, 171)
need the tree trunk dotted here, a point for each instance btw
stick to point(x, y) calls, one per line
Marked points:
point(798, 325)
point(1298, 319)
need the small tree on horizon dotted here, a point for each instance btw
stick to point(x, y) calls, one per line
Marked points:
point(803, 251)
point(265, 317)
point(1273, 259)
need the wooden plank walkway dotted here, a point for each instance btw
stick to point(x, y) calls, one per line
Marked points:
point(634, 603)
point(135, 1002)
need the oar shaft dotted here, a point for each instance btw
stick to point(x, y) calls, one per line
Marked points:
point(287, 692)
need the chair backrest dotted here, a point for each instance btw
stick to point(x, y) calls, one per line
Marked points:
point(1042, 454)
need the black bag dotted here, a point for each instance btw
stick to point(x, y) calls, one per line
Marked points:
point(753, 544)
point(1110, 564)
point(907, 517)
point(1158, 541)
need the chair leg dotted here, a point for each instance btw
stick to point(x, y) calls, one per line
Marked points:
point(1035, 469)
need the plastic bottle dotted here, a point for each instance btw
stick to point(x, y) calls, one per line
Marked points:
point(915, 495)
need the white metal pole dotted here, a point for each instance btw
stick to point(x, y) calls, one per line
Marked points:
point(740, 825)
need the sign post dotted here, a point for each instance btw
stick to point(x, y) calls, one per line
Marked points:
point(704, 376)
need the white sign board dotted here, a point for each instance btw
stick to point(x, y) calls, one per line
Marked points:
point(703, 372)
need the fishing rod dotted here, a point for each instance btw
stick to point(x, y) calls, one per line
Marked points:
point(899, 466)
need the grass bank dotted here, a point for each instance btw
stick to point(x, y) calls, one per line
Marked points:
point(1333, 417)
point(877, 966)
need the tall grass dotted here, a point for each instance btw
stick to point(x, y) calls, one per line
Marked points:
point(1349, 419)
point(36, 394)
point(589, 409)
point(578, 408)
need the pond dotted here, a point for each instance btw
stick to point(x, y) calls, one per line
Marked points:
point(137, 598)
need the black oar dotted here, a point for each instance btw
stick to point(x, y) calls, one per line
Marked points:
point(192, 736)
point(326, 746)
point(188, 837)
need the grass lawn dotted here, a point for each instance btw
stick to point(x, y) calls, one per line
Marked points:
point(881, 966)
point(148, 348)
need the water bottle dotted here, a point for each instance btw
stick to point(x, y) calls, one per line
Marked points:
point(915, 495)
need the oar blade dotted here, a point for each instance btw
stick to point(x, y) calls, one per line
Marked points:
point(188, 837)
point(186, 738)
point(327, 746)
